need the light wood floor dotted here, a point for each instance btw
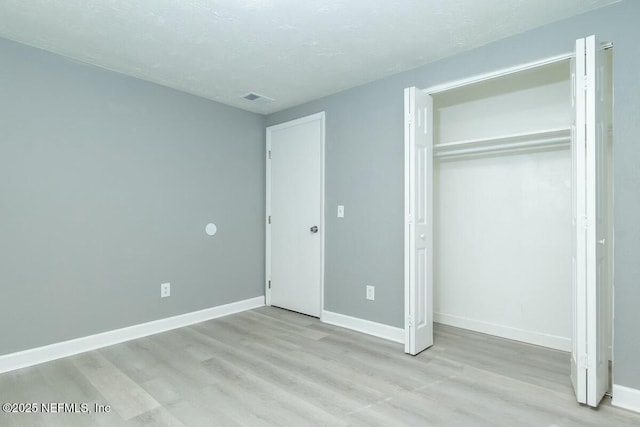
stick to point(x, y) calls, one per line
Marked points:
point(273, 367)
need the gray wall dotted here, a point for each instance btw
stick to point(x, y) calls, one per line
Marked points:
point(106, 185)
point(364, 164)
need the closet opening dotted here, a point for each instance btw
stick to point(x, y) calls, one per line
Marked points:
point(508, 203)
point(502, 206)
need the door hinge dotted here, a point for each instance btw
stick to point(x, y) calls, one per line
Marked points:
point(410, 219)
point(269, 219)
point(410, 321)
point(411, 118)
point(269, 154)
point(584, 361)
point(269, 284)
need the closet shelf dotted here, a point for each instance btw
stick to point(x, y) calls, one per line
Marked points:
point(516, 142)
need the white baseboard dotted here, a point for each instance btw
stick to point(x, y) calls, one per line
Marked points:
point(531, 337)
point(625, 397)
point(372, 328)
point(34, 356)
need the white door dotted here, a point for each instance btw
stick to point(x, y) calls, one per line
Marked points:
point(589, 359)
point(597, 268)
point(295, 228)
point(578, 175)
point(418, 236)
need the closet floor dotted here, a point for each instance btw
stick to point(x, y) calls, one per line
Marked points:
point(273, 367)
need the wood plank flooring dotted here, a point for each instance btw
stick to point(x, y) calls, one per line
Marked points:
point(272, 367)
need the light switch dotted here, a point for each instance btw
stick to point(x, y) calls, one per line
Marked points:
point(340, 211)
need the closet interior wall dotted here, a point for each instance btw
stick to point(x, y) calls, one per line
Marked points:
point(502, 220)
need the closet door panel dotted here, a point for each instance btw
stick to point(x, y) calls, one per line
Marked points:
point(419, 220)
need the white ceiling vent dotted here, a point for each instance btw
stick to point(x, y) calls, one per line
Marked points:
point(257, 98)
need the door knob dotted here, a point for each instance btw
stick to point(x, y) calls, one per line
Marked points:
point(601, 241)
point(314, 229)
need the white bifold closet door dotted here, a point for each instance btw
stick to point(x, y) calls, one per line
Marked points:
point(418, 271)
point(591, 250)
point(591, 275)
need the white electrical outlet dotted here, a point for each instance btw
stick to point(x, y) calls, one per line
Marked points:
point(371, 292)
point(165, 290)
point(340, 211)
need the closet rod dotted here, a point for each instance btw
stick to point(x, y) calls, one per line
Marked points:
point(559, 141)
point(504, 139)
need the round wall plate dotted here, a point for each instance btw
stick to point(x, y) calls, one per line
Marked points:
point(211, 229)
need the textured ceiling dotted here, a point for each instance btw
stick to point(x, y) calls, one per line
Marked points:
point(290, 50)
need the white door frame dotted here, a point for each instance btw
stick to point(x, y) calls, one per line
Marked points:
point(313, 117)
point(432, 90)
